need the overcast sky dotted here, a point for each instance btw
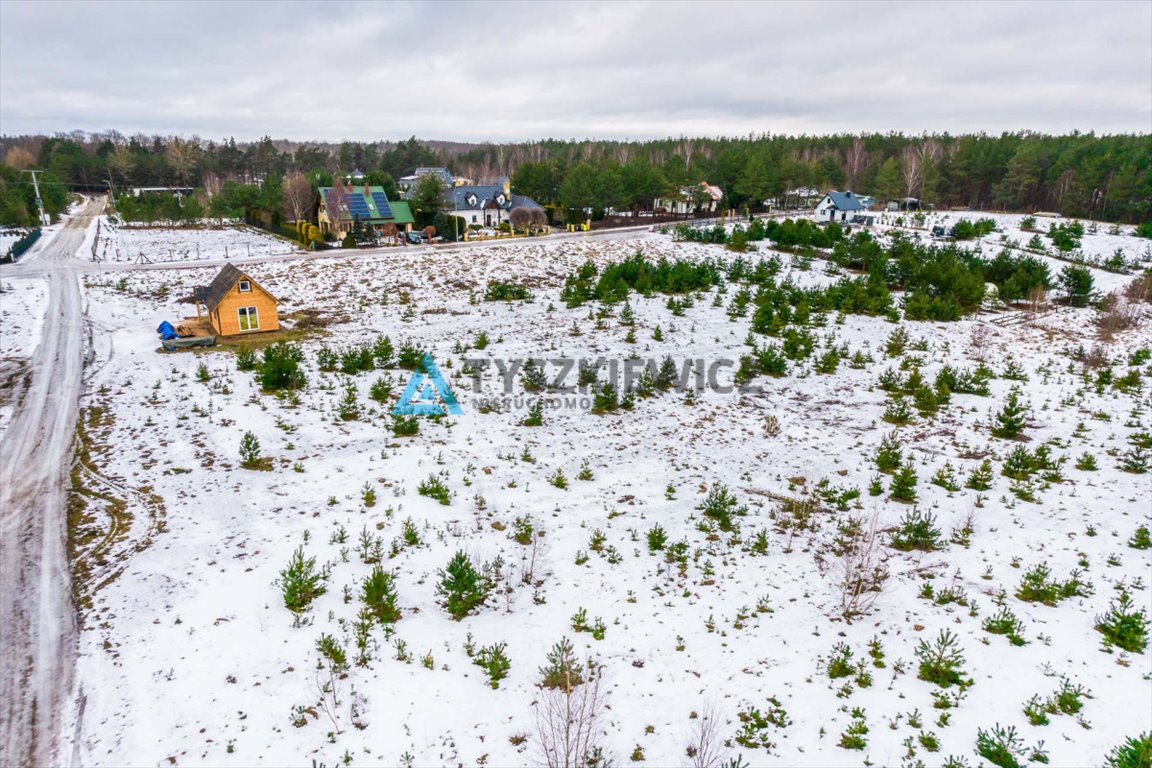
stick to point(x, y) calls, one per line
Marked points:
point(501, 72)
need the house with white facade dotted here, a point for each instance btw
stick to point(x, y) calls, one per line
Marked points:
point(704, 197)
point(486, 205)
point(839, 206)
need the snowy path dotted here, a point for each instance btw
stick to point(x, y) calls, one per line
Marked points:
point(37, 623)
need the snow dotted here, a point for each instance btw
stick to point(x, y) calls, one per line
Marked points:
point(117, 243)
point(189, 657)
point(22, 304)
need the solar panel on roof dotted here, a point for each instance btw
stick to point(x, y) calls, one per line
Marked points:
point(381, 201)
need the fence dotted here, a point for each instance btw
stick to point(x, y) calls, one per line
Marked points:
point(21, 246)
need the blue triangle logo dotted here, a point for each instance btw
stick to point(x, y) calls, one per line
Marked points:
point(427, 394)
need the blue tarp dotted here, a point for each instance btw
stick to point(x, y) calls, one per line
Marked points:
point(166, 331)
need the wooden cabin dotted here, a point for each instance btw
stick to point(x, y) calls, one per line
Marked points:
point(236, 304)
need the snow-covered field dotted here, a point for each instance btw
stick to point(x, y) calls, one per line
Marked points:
point(1096, 247)
point(189, 657)
point(22, 304)
point(157, 244)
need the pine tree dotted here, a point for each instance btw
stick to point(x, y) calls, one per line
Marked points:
point(645, 383)
point(981, 477)
point(627, 316)
point(889, 457)
point(249, 451)
point(462, 586)
point(535, 417)
point(1010, 421)
point(300, 582)
point(605, 399)
point(379, 595)
point(562, 670)
point(666, 376)
point(532, 376)
point(904, 483)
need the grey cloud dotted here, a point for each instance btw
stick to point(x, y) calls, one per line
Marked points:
point(504, 71)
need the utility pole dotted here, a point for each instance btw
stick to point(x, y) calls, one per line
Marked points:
point(39, 202)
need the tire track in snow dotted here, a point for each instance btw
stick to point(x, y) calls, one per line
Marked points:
point(37, 620)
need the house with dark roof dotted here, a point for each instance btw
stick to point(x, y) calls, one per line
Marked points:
point(235, 304)
point(408, 183)
point(487, 205)
point(839, 206)
point(342, 205)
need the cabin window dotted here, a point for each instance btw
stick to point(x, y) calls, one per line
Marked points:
point(245, 286)
point(249, 319)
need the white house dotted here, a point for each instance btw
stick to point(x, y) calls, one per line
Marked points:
point(708, 195)
point(838, 206)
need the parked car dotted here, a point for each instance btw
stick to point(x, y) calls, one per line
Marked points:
point(416, 238)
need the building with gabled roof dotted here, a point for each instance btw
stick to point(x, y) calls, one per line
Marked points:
point(839, 206)
point(407, 183)
point(234, 303)
point(340, 207)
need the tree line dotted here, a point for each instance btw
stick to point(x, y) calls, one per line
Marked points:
point(1078, 174)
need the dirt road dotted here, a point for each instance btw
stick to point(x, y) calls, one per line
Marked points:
point(37, 620)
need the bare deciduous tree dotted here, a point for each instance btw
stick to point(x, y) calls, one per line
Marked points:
point(978, 342)
point(18, 158)
point(212, 184)
point(568, 729)
point(121, 163)
point(539, 219)
point(705, 747)
point(297, 196)
point(181, 155)
point(863, 570)
point(520, 218)
point(336, 206)
point(855, 162)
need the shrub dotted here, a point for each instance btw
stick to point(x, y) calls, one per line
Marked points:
point(1004, 622)
point(1123, 625)
point(1136, 751)
point(250, 451)
point(562, 671)
point(1140, 539)
point(381, 390)
point(497, 291)
point(840, 662)
point(1037, 586)
point(898, 411)
point(434, 488)
point(942, 661)
point(889, 456)
point(462, 586)
point(379, 595)
point(1001, 747)
point(535, 417)
point(605, 399)
point(280, 368)
point(300, 582)
point(917, 531)
point(720, 505)
point(657, 538)
point(903, 486)
point(981, 477)
point(1011, 419)
point(494, 661)
point(246, 359)
point(404, 426)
